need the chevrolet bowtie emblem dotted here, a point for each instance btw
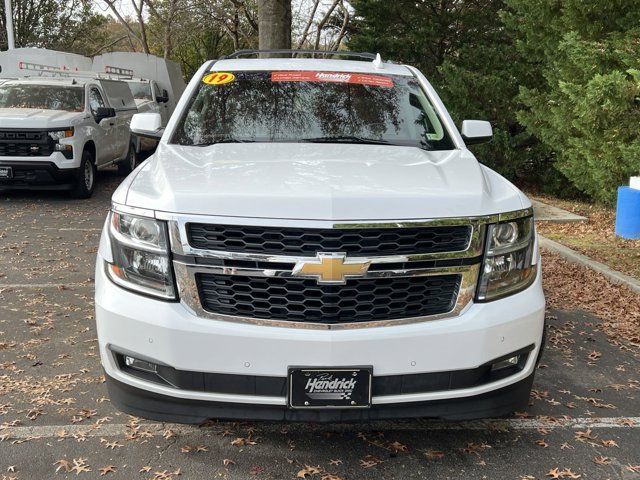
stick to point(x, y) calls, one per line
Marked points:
point(331, 268)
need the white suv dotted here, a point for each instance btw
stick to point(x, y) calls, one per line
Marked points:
point(312, 240)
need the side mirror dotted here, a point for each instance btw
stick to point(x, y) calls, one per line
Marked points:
point(104, 112)
point(476, 131)
point(164, 98)
point(147, 125)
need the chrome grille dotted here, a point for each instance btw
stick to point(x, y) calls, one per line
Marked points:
point(238, 284)
point(304, 300)
point(309, 241)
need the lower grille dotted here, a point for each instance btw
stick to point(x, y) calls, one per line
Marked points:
point(304, 300)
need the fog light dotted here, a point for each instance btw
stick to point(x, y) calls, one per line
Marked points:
point(141, 365)
point(509, 362)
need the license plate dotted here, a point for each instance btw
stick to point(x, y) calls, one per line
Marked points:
point(330, 387)
point(6, 172)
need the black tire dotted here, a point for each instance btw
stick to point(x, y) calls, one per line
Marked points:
point(126, 166)
point(86, 180)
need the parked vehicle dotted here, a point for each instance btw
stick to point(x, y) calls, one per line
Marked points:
point(312, 240)
point(164, 76)
point(56, 130)
point(149, 99)
point(12, 61)
point(156, 84)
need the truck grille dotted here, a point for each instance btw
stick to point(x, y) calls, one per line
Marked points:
point(304, 300)
point(25, 144)
point(307, 242)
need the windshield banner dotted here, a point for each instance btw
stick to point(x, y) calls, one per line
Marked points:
point(333, 77)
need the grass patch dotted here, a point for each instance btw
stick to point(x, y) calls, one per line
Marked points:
point(594, 238)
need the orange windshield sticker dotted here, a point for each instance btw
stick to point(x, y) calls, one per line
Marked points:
point(218, 78)
point(333, 77)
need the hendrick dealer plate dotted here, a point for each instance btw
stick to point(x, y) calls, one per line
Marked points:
point(330, 387)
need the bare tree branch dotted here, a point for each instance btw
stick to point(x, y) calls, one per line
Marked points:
point(110, 44)
point(305, 32)
point(323, 22)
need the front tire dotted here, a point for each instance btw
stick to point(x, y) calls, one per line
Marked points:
point(126, 166)
point(86, 177)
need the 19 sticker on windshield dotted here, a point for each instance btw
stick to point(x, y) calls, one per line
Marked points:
point(218, 78)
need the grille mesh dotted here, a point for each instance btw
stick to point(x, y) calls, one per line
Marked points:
point(307, 242)
point(25, 144)
point(303, 300)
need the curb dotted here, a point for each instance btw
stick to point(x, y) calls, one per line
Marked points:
point(580, 259)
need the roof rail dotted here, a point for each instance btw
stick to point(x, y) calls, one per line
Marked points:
point(121, 72)
point(111, 73)
point(245, 53)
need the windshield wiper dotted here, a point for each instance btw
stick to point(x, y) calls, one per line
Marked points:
point(371, 141)
point(221, 140)
point(347, 139)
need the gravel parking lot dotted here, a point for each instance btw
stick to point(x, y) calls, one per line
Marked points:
point(56, 420)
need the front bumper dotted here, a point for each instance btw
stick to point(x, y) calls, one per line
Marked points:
point(169, 334)
point(165, 408)
point(31, 174)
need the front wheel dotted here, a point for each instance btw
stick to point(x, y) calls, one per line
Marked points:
point(86, 180)
point(126, 166)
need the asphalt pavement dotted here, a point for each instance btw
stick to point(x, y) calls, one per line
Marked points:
point(56, 420)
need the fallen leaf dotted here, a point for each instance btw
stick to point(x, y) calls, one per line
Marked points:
point(63, 464)
point(434, 454)
point(108, 469)
point(554, 473)
point(609, 443)
point(308, 470)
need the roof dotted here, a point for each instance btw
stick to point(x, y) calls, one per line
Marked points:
point(330, 65)
point(50, 81)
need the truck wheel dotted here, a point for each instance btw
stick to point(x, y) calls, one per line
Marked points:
point(86, 177)
point(126, 166)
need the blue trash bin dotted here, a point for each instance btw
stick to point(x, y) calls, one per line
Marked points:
point(628, 213)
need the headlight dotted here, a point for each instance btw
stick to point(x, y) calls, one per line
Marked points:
point(508, 263)
point(140, 255)
point(60, 134)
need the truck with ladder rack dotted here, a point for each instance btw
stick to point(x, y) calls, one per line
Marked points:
point(58, 126)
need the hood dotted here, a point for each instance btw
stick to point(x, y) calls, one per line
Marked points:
point(317, 182)
point(143, 103)
point(36, 118)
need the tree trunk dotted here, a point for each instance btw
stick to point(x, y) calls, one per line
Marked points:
point(274, 24)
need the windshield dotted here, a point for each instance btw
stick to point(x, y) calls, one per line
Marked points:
point(46, 97)
point(307, 106)
point(140, 90)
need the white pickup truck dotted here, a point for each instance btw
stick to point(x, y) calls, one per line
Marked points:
point(312, 240)
point(56, 131)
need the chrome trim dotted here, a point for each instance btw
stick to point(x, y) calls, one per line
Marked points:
point(188, 291)
point(506, 216)
point(141, 212)
point(180, 244)
point(190, 298)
